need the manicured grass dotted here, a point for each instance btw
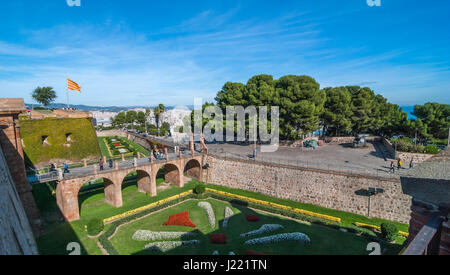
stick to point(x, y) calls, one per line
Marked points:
point(58, 234)
point(93, 205)
point(323, 240)
point(346, 217)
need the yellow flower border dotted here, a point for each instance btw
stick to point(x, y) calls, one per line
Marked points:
point(378, 228)
point(275, 205)
point(145, 207)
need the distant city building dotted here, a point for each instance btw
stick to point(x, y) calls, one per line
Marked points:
point(102, 118)
point(175, 116)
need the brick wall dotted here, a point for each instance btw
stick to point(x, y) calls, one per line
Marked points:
point(11, 145)
point(16, 237)
point(331, 190)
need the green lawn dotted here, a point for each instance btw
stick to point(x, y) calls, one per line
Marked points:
point(58, 234)
point(323, 240)
point(92, 205)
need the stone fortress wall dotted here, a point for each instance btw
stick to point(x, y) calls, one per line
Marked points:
point(327, 189)
point(16, 237)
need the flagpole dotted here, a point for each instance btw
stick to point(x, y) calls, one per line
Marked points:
point(67, 91)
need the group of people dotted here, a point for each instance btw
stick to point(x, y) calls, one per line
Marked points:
point(53, 168)
point(399, 165)
point(157, 154)
point(101, 164)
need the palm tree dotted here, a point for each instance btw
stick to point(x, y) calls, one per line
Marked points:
point(44, 95)
point(158, 111)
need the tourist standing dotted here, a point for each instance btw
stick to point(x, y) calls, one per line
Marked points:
point(110, 162)
point(101, 164)
point(399, 164)
point(66, 168)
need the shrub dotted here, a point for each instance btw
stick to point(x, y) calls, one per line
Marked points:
point(389, 231)
point(199, 189)
point(252, 218)
point(94, 227)
point(431, 149)
point(218, 238)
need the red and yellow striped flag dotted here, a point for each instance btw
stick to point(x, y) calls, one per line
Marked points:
point(71, 85)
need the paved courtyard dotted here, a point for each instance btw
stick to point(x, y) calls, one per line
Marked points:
point(333, 157)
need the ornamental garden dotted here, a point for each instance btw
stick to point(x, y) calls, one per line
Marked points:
point(204, 219)
point(115, 147)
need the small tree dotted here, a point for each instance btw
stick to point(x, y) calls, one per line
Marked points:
point(389, 231)
point(44, 95)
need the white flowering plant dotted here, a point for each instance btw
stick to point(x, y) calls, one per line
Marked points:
point(146, 235)
point(265, 228)
point(169, 245)
point(284, 237)
point(209, 212)
point(228, 214)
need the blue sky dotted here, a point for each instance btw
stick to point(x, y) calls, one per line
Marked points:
point(139, 52)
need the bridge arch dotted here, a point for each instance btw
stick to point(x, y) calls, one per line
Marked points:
point(172, 173)
point(193, 169)
point(145, 182)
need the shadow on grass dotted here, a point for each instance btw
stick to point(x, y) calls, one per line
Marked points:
point(57, 233)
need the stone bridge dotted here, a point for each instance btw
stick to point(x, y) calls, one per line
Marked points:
point(68, 187)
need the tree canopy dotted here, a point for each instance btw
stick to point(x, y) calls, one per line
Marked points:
point(44, 95)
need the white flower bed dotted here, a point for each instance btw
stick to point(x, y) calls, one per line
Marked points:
point(146, 235)
point(266, 228)
point(291, 237)
point(228, 214)
point(209, 212)
point(166, 246)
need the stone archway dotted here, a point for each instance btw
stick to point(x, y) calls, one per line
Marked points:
point(146, 183)
point(193, 169)
point(113, 192)
point(172, 174)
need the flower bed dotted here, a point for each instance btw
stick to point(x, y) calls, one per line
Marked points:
point(166, 246)
point(378, 228)
point(275, 205)
point(252, 218)
point(180, 219)
point(145, 207)
point(284, 237)
point(228, 214)
point(209, 212)
point(218, 238)
point(146, 235)
point(266, 228)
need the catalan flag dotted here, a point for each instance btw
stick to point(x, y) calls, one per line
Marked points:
point(71, 85)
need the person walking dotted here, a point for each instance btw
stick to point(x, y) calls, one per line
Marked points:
point(66, 168)
point(101, 164)
point(110, 162)
point(399, 164)
point(392, 168)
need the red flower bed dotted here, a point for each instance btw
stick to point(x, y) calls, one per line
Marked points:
point(253, 252)
point(218, 238)
point(117, 144)
point(252, 218)
point(181, 219)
